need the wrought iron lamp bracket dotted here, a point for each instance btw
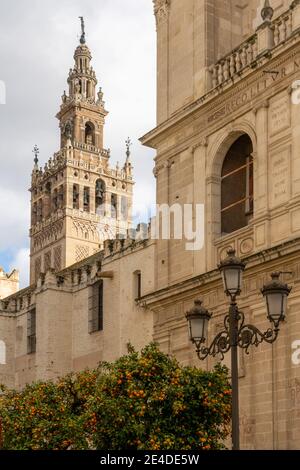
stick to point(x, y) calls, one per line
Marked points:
point(244, 336)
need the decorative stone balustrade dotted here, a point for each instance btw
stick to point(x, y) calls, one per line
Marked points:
point(234, 62)
point(92, 148)
point(268, 36)
point(282, 28)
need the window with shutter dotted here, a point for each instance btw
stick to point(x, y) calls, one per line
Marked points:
point(31, 331)
point(237, 186)
point(137, 284)
point(96, 307)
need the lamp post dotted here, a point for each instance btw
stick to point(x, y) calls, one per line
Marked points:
point(236, 333)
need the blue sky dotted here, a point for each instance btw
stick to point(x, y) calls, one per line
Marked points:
point(37, 42)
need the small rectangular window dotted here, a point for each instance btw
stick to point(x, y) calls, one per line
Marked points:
point(96, 307)
point(137, 284)
point(31, 331)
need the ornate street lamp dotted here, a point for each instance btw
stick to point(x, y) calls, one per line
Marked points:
point(276, 294)
point(198, 318)
point(236, 332)
point(232, 269)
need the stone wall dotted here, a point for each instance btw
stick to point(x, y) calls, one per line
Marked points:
point(61, 303)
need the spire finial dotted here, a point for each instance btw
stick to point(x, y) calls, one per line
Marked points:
point(267, 12)
point(82, 38)
point(36, 152)
point(128, 145)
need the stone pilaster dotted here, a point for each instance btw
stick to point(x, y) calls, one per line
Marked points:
point(199, 154)
point(261, 203)
point(162, 259)
point(161, 11)
point(295, 126)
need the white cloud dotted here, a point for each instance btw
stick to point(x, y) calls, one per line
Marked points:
point(37, 42)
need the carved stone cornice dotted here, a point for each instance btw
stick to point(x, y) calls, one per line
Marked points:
point(202, 143)
point(160, 166)
point(263, 105)
point(284, 256)
point(161, 10)
point(216, 107)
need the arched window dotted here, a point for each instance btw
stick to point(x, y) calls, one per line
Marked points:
point(86, 199)
point(100, 197)
point(2, 353)
point(75, 196)
point(237, 186)
point(114, 206)
point(89, 133)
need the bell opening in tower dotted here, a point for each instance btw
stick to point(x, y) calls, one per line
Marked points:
point(90, 133)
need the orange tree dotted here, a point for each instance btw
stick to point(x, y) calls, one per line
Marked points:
point(47, 415)
point(141, 401)
point(148, 401)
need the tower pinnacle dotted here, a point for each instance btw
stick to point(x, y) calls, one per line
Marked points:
point(82, 38)
point(36, 158)
point(128, 145)
point(128, 167)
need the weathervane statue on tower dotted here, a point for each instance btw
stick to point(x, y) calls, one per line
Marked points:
point(128, 145)
point(82, 38)
point(36, 152)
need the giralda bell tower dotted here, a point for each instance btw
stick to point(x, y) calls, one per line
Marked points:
point(77, 199)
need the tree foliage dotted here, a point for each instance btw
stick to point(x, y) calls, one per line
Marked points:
point(144, 401)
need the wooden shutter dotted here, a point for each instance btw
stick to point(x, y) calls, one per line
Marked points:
point(31, 331)
point(96, 307)
point(237, 186)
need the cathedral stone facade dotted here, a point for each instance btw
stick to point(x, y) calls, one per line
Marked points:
point(227, 137)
